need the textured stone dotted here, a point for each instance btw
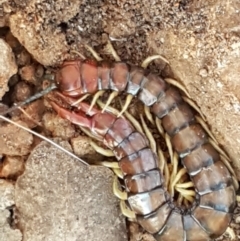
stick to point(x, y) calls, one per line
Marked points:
point(8, 66)
point(6, 194)
point(60, 199)
point(6, 232)
point(15, 141)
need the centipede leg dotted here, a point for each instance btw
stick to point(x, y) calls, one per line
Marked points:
point(117, 192)
point(93, 52)
point(118, 173)
point(110, 49)
point(100, 150)
point(110, 98)
point(149, 59)
point(178, 85)
point(126, 211)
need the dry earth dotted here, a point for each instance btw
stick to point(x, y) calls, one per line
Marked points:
point(200, 39)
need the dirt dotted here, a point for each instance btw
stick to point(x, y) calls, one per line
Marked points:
point(200, 39)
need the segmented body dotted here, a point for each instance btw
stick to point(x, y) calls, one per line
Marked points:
point(215, 200)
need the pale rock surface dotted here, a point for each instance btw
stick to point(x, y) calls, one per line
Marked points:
point(8, 66)
point(58, 198)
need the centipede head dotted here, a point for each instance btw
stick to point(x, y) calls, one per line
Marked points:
point(68, 78)
point(77, 77)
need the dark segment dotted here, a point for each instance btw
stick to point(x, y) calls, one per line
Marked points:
point(143, 182)
point(141, 161)
point(225, 203)
point(166, 102)
point(212, 178)
point(152, 88)
point(188, 139)
point(131, 144)
point(213, 221)
point(118, 132)
point(156, 220)
point(89, 76)
point(178, 118)
point(200, 158)
point(104, 70)
point(194, 231)
point(119, 76)
point(173, 229)
point(147, 202)
point(136, 77)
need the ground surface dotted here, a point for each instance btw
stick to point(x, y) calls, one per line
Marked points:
point(200, 39)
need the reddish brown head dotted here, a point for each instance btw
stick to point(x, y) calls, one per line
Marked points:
point(68, 78)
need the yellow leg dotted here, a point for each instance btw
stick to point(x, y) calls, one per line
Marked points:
point(205, 127)
point(149, 135)
point(110, 98)
point(102, 151)
point(118, 172)
point(118, 193)
point(94, 100)
point(112, 51)
point(93, 52)
point(112, 165)
point(159, 126)
point(178, 85)
point(194, 106)
point(149, 59)
point(169, 146)
point(108, 108)
point(148, 114)
point(80, 100)
point(126, 104)
point(134, 122)
point(126, 211)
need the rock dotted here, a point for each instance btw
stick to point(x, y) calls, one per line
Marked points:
point(6, 194)
point(59, 198)
point(58, 126)
point(8, 66)
point(6, 232)
point(11, 167)
point(53, 51)
point(15, 141)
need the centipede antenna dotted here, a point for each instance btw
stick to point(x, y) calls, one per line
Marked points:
point(29, 100)
point(149, 59)
point(44, 138)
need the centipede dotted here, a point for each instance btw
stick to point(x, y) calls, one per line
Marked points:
point(145, 197)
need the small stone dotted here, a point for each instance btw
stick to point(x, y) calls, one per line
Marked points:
point(203, 73)
point(15, 141)
point(8, 66)
point(22, 91)
point(58, 126)
point(12, 166)
point(6, 194)
point(6, 232)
